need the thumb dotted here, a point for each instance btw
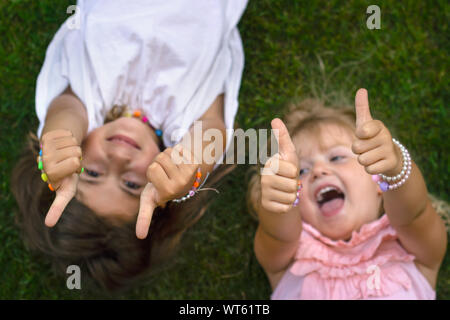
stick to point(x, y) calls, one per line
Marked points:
point(362, 107)
point(64, 194)
point(285, 146)
point(146, 207)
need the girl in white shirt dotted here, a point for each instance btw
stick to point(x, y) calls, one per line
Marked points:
point(121, 86)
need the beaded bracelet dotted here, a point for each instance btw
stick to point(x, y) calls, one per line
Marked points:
point(195, 188)
point(401, 177)
point(299, 187)
point(44, 176)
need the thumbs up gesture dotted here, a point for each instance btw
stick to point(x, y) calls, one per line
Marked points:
point(167, 180)
point(373, 145)
point(279, 188)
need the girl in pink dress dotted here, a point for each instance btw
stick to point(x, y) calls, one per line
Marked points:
point(343, 210)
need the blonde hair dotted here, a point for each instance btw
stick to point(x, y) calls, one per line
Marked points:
point(309, 115)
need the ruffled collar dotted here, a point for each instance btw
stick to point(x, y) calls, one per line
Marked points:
point(367, 231)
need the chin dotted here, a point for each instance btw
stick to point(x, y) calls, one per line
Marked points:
point(340, 230)
point(344, 236)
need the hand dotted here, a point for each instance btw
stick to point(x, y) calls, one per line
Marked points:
point(167, 181)
point(279, 190)
point(61, 156)
point(373, 144)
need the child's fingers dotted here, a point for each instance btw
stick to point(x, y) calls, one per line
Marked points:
point(166, 163)
point(370, 157)
point(63, 169)
point(66, 153)
point(156, 174)
point(279, 183)
point(146, 207)
point(362, 107)
point(64, 142)
point(284, 168)
point(381, 166)
point(360, 146)
point(369, 129)
point(56, 209)
point(274, 206)
point(285, 146)
point(64, 194)
point(189, 162)
point(281, 196)
point(55, 134)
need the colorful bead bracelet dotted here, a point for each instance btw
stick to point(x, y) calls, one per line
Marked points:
point(44, 176)
point(297, 199)
point(383, 180)
point(195, 188)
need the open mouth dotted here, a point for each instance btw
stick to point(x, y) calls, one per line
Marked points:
point(330, 200)
point(124, 140)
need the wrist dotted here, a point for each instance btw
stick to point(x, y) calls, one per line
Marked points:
point(394, 182)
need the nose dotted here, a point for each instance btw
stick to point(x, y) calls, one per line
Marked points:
point(120, 155)
point(319, 169)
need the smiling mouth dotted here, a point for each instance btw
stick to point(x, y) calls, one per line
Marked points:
point(330, 201)
point(124, 140)
point(329, 196)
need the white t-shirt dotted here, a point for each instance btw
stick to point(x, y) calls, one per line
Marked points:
point(170, 59)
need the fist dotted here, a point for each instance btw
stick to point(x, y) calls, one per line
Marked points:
point(167, 180)
point(373, 144)
point(172, 180)
point(61, 155)
point(279, 189)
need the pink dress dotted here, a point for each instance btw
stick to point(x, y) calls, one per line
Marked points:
point(372, 265)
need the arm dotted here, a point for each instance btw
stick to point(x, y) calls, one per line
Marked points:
point(276, 239)
point(64, 129)
point(280, 225)
point(420, 230)
point(169, 180)
point(213, 118)
point(67, 112)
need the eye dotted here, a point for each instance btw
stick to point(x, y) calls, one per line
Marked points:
point(336, 157)
point(132, 185)
point(91, 173)
point(302, 171)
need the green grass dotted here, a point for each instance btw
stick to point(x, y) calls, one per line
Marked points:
point(292, 50)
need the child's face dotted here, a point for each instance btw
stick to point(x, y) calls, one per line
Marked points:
point(358, 200)
point(114, 169)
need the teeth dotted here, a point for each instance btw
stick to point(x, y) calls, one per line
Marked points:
point(322, 191)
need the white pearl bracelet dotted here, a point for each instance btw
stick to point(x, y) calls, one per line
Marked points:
point(402, 176)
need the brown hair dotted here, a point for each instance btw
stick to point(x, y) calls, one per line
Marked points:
point(309, 114)
point(111, 256)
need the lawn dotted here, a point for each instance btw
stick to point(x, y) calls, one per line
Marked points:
point(293, 49)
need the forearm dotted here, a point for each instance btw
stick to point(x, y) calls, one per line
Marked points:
point(404, 204)
point(67, 112)
point(206, 138)
point(285, 227)
point(208, 150)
